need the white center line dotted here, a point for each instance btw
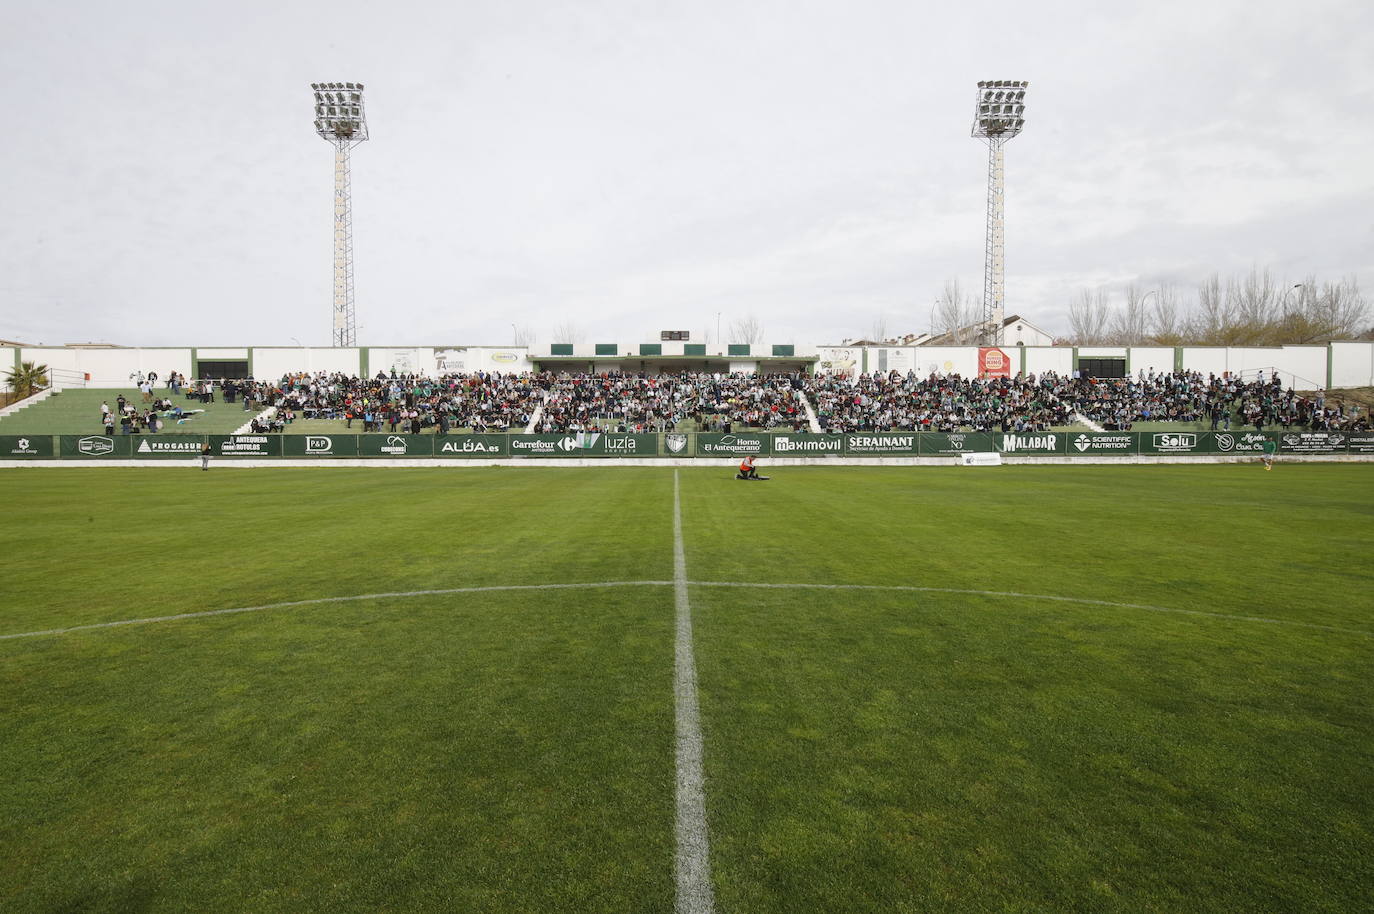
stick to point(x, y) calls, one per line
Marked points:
point(693, 862)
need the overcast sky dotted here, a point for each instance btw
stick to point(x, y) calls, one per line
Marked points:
point(630, 167)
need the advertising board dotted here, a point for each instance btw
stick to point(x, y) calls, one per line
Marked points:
point(1031, 442)
point(470, 446)
point(1360, 443)
point(1239, 442)
point(396, 445)
point(25, 447)
point(793, 445)
point(584, 444)
point(1096, 444)
point(95, 446)
point(740, 444)
point(167, 446)
point(1175, 443)
point(896, 443)
point(952, 444)
point(319, 445)
point(245, 445)
point(1312, 442)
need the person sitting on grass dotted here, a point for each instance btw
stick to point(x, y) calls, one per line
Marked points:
point(747, 469)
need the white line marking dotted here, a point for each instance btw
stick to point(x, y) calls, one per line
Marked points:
point(314, 602)
point(594, 584)
point(692, 865)
point(1039, 596)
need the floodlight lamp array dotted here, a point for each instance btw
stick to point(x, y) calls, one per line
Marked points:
point(339, 111)
point(1000, 111)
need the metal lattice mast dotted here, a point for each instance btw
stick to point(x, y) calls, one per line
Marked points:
point(999, 115)
point(340, 119)
point(345, 320)
point(994, 248)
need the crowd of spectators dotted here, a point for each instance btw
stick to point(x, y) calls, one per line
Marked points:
point(552, 402)
point(653, 403)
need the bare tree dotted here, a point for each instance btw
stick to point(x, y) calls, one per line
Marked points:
point(957, 314)
point(1088, 317)
point(567, 332)
point(1213, 317)
point(746, 329)
point(1129, 321)
point(1164, 317)
point(1333, 311)
point(524, 335)
point(879, 330)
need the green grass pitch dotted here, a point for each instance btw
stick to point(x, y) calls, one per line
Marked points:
point(1025, 688)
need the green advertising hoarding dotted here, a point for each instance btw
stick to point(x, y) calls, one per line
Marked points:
point(740, 444)
point(25, 447)
point(793, 445)
point(1239, 442)
point(1312, 442)
point(864, 444)
point(319, 445)
point(1360, 443)
point(1181, 443)
point(95, 446)
point(584, 444)
point(396, 445)
point(1047, 443)
point(245, 445)
point(470, 446)
point(1099, 444)
point(184, 447)
point(952, 444)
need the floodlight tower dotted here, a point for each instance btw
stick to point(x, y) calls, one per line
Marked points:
point(339, 118)
point(998, 116)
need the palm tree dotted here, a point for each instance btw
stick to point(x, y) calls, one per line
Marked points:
point(27, 379)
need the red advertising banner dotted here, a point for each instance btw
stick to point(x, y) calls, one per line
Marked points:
point(993, 363)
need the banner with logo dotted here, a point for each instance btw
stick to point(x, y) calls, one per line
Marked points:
point(167, 446)
point(1312, 442)
point(1096, 444)
point(1360, 443)
point(676, 445)
point(25, 447)
point(97, 446)
point(993, 363)
point(397, 445)
point(584, 444)
point(1175, 443)
point(319, 445)
point(902, 444)
point(1050, 443)
point(245, 445)
point(470, 446)
point(793, 445)
point(740, 444)
point(1240, 442)
point(952, 444)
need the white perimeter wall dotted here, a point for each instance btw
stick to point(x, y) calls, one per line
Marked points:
point(1143, 358)
point(1040, 360)
point(1300, 367)
point(111, 367)
point(1352, 364)
point(271, 364)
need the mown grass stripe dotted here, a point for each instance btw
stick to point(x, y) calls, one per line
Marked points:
point(1040, 596)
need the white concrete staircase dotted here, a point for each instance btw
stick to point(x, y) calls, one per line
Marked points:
point(27, 401)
